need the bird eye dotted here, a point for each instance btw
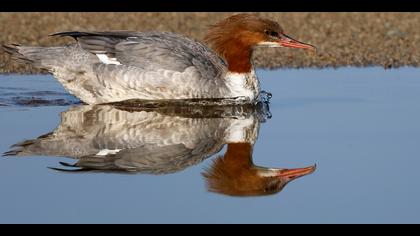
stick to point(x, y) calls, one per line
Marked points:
point(271, 33)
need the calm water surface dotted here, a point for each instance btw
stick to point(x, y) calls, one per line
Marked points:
point(359, 126)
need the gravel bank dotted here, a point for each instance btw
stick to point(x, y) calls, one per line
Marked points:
point(343, 39)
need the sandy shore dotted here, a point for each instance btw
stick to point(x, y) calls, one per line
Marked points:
point(343, 39)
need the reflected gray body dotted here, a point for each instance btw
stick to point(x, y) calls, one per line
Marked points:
point(109, 139)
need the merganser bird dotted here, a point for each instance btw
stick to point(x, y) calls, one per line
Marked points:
point(165, 140)
point(110, 138)
point(105, 67)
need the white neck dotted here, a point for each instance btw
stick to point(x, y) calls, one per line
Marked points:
point(243, 130)
point(243, 84)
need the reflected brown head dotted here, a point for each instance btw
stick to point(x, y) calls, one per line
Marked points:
point(234, 38)
point(234, 174)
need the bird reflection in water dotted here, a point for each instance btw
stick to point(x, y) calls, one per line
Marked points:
point(162, 139)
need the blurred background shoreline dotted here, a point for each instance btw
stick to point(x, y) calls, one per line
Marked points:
point(343, 39)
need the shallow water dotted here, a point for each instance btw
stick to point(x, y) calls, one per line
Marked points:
point(359, 126)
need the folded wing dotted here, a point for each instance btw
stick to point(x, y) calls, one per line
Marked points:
point(150, 51)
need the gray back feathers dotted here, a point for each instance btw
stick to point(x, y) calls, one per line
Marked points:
point(152, 50)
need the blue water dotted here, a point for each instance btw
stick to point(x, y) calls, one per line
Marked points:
point(360, 126)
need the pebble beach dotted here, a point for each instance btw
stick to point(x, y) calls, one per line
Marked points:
point(343, 39)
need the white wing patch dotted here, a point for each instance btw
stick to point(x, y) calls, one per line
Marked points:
point(107, 60)
point(105, 152)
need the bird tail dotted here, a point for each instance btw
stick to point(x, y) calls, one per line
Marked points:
point(41, 57)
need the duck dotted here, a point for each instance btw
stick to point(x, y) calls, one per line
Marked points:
point(165, 140)
point(148, 140)
point(115, 66)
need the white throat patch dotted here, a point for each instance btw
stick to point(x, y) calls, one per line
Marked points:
point(268, 44)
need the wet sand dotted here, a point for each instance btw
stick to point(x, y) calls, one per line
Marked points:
point(343, 39)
